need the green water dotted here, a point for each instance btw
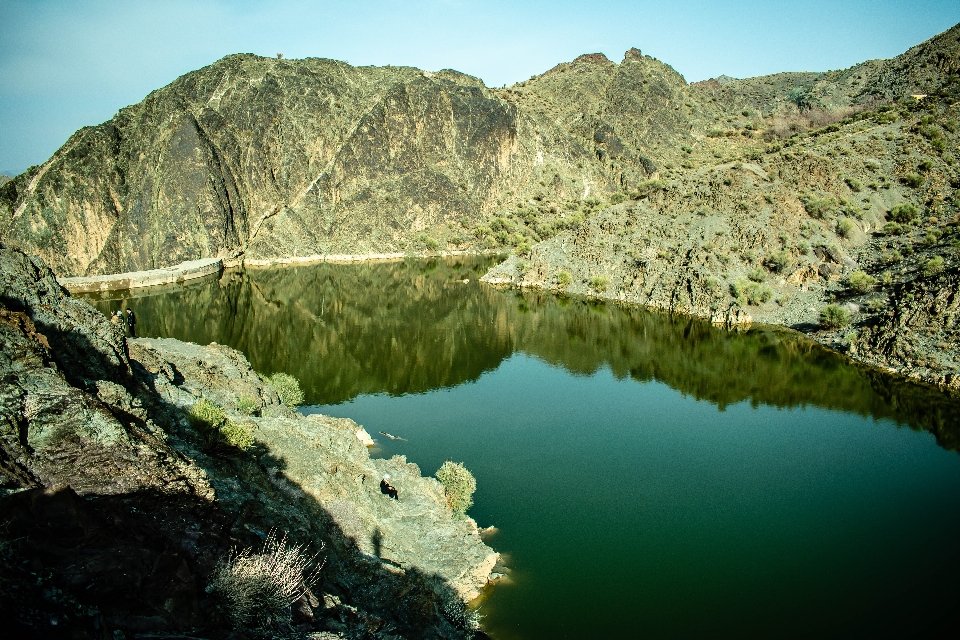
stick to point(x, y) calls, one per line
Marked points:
point(650, 476)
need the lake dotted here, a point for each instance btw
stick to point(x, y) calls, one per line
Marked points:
point(649, 475)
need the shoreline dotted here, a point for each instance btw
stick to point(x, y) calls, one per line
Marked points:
point(208, 267)
point(738, 322)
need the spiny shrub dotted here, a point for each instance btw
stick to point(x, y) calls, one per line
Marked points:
point(287, 387)
point(752, 293)
point(779, 261)
point(933, 266)
point(204, 413)
point(458, 484)
point(833, 316)
point(253, 588)
point(216, 429)
point(247, 405)
point(861, 281)
point(237, 434)
point(904, 213)
point(845, 227)
point(599, 283)
point(564, 279)
point(819, 207)
point(913, 180)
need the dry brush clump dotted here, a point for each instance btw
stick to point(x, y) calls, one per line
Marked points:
point(257, 588)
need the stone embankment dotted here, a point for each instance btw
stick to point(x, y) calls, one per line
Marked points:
point(177, 274)
point(117, 507)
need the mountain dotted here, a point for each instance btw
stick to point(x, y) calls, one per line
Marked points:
point(267, 158)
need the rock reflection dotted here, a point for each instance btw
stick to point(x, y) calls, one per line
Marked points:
point(412, 326)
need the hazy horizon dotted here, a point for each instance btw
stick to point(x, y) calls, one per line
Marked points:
point(64, 66)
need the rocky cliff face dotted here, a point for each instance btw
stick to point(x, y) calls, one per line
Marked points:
point(116, 508)
point(273, 158)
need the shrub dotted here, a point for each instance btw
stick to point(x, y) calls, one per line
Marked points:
point(564, 279)
point(889, 257)
point(204, 413)
point(854, 184)
point(431, 243)
point(599, 283)
point(913, 180)
point(751, 293)
point(904, 213)
point(287, 387)
point(617, 198)
point(845, 227)
point(933, 266)
point(237, 435)
point(757, 275)
point(925, 166)
point(861, 281)
point(251, 588)
point(247, 405)
point(458, 485)
point(892, 229)
point(833, 316)
point(779, 261)
point(819, 207)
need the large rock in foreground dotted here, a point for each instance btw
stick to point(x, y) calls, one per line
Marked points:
point(116, 509)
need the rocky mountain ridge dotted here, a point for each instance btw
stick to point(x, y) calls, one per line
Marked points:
point(271, 158)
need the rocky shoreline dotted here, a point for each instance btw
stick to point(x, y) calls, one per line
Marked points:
point(100, 461)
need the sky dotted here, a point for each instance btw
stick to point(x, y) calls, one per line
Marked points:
point(65, 64)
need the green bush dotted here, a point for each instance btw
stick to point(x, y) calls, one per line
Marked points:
point(779, 261)
point(904, 213)
point(617, 198)
point(819, 207)
point(845, 227)
point(861, 281)
point(913, 180)
point(854, 184)
point(892, 229)
point(204, 413)
point(757, 275)
point(752, 293)
point(287, 387)
point(933, 266)
point(599, 283)
point(833, 316)
point(237, 435)
point(216, 429)
point(458, 484)
point(247, 405)
point(564, 279)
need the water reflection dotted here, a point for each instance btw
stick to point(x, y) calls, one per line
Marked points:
point(412, 326)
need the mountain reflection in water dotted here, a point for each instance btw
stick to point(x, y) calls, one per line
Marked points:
point(417, 325)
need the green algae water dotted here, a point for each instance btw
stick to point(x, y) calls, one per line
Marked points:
point(649, 475)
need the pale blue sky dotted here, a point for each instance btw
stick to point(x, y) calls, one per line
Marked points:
point(66, 64)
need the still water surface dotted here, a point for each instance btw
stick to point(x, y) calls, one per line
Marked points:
point(650, 476)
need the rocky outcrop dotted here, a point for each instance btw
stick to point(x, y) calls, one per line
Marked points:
point(98, 463)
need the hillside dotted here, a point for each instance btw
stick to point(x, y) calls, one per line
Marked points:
point(754, 199)
point(268, 158)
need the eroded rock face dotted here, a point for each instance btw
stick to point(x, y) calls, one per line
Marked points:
point(116, 509)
